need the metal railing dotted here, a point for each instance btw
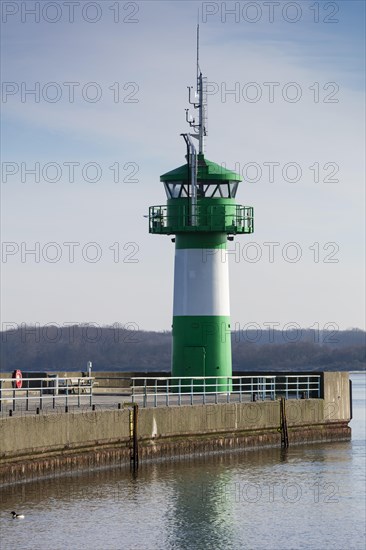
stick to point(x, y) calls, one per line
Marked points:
point(52, 390)
point(37, 394)
point(170, 391)
point(294, 386)
point(232, 218)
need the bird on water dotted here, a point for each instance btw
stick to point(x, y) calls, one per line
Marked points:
point(17, 516)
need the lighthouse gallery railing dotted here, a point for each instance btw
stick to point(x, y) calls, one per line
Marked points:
point(225, 218)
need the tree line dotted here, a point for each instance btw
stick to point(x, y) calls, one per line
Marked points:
point(111, 348)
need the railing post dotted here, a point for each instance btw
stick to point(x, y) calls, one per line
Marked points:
point(14, 399)
point(179, 392)
point(90, 392)
point(167, 392)
point(156, 393)
point(41, 395)
point(216, 393)
point(191, 391)
point(67, 393)
point(133, 390)
point(79, 393)
point(240, 390)
point(145, 394)
point(1, 387)
point(286, 387)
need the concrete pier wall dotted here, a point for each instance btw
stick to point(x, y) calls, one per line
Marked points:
point(33, 445)
point(336, 395)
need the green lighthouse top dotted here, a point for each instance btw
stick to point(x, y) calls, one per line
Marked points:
point(206, 171)
point(201, 194)
point(212, 180)
point(200, 178)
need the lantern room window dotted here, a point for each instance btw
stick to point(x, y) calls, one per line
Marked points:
point(176, 189)
point(205, 189)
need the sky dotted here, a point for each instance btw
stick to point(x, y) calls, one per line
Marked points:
point(93, 99)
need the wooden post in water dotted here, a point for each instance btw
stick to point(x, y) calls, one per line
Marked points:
point(135, 442)
point(283, 427)
point(133, 424)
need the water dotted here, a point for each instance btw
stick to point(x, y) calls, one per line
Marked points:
point(307, 497)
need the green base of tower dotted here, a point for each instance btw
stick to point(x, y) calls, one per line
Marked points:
point(202, 347)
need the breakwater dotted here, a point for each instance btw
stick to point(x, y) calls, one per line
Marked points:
point(46, 444)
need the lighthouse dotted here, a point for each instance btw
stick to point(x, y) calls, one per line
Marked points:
point(201, 215)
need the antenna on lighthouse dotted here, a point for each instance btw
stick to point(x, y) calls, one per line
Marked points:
point(198, 51)
point(200, 130)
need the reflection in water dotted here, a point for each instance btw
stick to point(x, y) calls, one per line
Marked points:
point(302, 497)
point(201, 502)
point(284, 455)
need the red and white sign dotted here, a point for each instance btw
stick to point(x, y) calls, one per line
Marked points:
point(17, 375)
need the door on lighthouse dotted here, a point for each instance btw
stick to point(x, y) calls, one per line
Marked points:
point(194, 360)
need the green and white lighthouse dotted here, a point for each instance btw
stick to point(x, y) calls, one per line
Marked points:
point(202, 215)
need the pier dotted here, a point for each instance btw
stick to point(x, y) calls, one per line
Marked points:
point(49, 441)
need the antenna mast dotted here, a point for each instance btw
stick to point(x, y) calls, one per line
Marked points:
point(199, 132)
point(201, 95)
point(201, 129)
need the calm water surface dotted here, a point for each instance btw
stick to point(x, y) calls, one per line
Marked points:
point(308, 497)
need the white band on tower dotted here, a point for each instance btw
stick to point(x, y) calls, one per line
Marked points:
point(201, 282)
